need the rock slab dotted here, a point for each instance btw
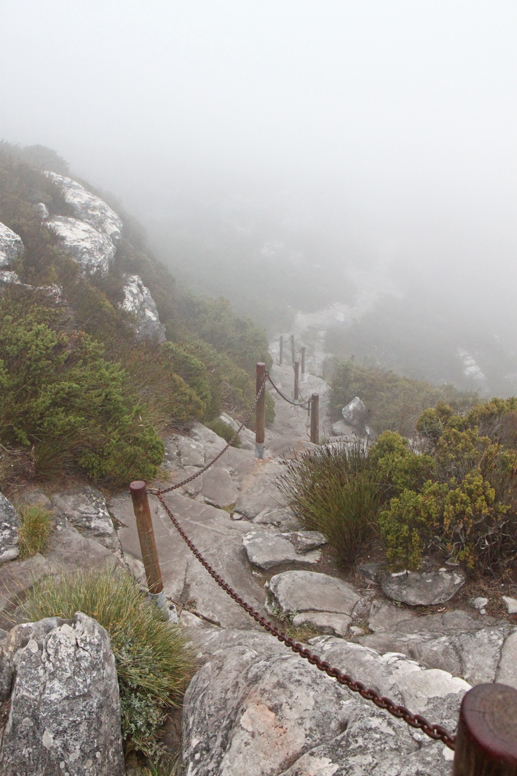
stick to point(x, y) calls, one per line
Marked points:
point(423, 589)
point(64, 718)
point(305, 591)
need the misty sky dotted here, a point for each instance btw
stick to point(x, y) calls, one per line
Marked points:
point(399, 116)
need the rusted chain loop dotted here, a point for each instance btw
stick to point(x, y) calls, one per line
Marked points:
point(201, 471)
point(436, 732)
point(294, 403)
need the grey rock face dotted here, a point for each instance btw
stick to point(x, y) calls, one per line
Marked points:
point(355, 414)
point(423, 589)
point(324, 622)
point(89, 208)
point(139, 302)
point(259, 492)
point(255, 709)
point(85, 508)
point(64, 718)
point(9, 525)
point(218, 488)
point(7, 277)
point(93, 250)
point(11, 246)
point(304, 591)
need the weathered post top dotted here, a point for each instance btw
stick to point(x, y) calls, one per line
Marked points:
point(486, 742)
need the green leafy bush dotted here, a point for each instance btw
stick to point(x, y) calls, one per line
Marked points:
point(152, 661)
point(332, 490)
point(463, 501)
point(61, 398)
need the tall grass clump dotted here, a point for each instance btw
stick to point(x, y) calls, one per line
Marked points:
point(152, 661)
point(332, 490)
point(34, 531)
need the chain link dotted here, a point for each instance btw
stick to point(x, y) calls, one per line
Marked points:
point(436, 732)
point(207, 466)
point(294, 403)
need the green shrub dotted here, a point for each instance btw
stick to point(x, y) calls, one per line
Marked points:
point(34, 531)
point(394, 402)
point(332, 490)
point(153, 664)
point(223, 430)
point(460, 498)
point(60, 397)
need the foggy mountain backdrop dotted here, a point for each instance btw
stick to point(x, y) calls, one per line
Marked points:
point(343, 170)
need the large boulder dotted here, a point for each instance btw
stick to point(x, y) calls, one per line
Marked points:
point(11, 246)
point(87, 207)
point(355, 414)
point(139, 302)
point(93, 250)
point(9, 525)
point(64, 715)
point(254, 708)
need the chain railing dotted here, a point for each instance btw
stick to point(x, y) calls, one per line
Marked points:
point(486, 741)
point(223, 451)
point(434, 731)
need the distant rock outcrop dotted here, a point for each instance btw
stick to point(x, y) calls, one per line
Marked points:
point(138, 300)
point(93, 250)
point(11, 246)
point(89, 208)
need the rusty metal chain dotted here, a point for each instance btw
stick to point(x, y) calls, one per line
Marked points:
point(436, 732)
point(294, 403)
point(201, 471)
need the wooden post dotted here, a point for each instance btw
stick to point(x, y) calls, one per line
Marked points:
point(303, 364)
point(486, 742)
point(315, 418)
point(281, 354)
point(144, 525)
point(293, 356)
point(296, 379)
point(260, 424)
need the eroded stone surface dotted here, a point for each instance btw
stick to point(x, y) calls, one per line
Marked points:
point(64, 716)
point(423, 589)
point(219, 488)
point(85, 508)
point(9, 525)
point(253, 708)
point(266, 549)
point(303, 591)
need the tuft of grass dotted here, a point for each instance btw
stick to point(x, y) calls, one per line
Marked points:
point(152, 660)
point(34, 532)
point(332, 490)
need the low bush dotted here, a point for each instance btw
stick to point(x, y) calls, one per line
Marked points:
point(460, 497)
point(152, 661)
point(332, 490)
point(394, 403)
point(35, 529)
point(61, 399)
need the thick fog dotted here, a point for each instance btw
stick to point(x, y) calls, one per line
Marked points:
point(378, 134)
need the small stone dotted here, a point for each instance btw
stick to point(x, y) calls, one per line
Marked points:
point(511, 604)
point(479, 604)
point(325, 622)
point(303, 591)
point(355, 630)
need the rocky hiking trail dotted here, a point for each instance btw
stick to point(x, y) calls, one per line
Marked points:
point(254, 707)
